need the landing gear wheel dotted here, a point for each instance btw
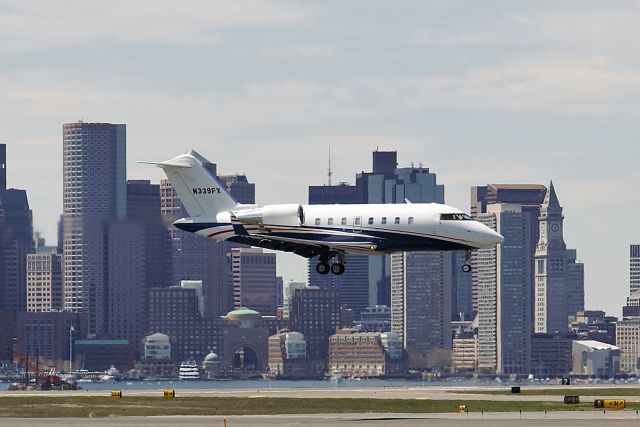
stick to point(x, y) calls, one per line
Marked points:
point(466, 268)
point(337, 268)
point(322, 268)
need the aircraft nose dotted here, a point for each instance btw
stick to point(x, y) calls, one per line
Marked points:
point(488, 237)
point(495, 237)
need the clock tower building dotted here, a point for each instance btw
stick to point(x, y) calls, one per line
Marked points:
point(559, 279)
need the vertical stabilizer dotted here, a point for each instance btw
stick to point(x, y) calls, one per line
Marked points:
point(200, 192)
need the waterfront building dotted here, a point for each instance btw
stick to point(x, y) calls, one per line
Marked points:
point(157, 347)
point(16, 241)
point(246, 344)
point(363, 354)
point(212, 366)
point(551, 355)
point(94, 190)
point(239, 338)
point(102, 354)
point(628, 340)
point(595, 359)
point(174, 311)
point(559, 278)
point(464, 354)
point(47, 334)
point(316, 313)
point(288, 355)
point(44, 281)
point(254, 279)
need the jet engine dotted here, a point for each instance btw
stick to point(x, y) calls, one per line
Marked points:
point(289, 214)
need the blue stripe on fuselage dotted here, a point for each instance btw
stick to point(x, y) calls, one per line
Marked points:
point(384, 240)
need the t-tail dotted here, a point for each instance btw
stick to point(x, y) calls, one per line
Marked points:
point(199, 190)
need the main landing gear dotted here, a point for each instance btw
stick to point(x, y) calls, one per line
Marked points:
point(466, 267)
point(336, 268)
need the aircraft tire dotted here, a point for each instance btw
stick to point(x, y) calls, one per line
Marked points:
point(322, 268)
point(337, 268)
point(466, 268)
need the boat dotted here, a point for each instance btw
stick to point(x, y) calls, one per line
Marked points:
point(189, 370)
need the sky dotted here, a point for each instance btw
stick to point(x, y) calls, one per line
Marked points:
point(479, 92)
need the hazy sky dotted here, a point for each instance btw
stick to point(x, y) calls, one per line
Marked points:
point(480, 92)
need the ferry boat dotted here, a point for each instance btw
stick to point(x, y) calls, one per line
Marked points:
point(189, 370)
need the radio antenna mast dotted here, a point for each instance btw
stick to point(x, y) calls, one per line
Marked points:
point(329, 173)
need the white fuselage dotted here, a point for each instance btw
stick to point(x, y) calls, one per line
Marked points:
point(356, 228)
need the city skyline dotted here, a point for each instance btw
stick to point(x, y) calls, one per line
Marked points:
point(478, 93)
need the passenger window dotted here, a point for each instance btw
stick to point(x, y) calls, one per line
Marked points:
point(370, 221)
point(356, 220)
point(384, 220)
point(317, 221)
point(344, 221)
point(330, 221)
point(410, 220)
point(397, 220)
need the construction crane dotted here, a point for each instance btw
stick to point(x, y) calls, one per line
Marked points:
point(46, 379)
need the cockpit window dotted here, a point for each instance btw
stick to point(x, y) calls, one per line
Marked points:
point(455, 217)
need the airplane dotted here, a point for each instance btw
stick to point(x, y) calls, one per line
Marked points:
point(325, 232)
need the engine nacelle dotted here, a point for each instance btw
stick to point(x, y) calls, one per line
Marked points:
point(289, 214)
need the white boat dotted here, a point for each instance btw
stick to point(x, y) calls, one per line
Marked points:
point(189, 370)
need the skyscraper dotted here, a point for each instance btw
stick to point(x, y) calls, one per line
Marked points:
point(559, 279)
point(137, 254)
point(634, 268)
point(94, 193)
point(16, 241)
point(254, 280)
point(420, 301)
point(529, 197)
point(503, 285)
point(44, 281)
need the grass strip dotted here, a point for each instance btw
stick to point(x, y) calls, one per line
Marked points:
point(85, 406)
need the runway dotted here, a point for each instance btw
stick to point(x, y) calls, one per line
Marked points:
point(432, 393)
point(626, 418)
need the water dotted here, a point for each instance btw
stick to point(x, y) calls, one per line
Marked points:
point(327, 384)
point(256, 384)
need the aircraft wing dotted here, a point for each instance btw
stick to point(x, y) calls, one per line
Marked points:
point(302, 247)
